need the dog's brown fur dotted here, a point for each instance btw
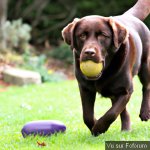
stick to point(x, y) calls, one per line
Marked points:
point(122, 44)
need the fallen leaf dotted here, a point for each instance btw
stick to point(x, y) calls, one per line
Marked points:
point(41, 143)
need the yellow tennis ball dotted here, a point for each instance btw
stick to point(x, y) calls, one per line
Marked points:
point(91, 69)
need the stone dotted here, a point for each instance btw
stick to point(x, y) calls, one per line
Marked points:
point(20, 76)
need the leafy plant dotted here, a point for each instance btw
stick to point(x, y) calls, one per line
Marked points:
point(17, 34)
point(37, 63)
point(63, 53)
point(49, 17)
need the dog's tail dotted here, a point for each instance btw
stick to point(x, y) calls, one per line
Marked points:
point(140, 10)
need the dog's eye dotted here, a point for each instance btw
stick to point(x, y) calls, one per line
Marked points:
point(83, 36)
point(103, 34)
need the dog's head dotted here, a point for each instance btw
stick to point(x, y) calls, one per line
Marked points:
point(95, 38)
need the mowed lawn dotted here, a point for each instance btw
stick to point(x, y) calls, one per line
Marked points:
point(61, 101)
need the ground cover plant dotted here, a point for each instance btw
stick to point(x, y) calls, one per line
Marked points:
point(61, 101)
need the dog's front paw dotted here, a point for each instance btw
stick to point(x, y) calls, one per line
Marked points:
point(100, 127)
point(97, 131)
point(145, 115)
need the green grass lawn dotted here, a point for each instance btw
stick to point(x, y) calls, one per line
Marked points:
point(61, 101)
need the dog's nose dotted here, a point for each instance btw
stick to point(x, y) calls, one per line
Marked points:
point(90, 52)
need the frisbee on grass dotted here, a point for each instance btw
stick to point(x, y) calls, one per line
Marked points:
point(43, 128)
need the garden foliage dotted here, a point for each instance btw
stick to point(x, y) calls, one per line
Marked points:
point(48, 17)
point(17, 34)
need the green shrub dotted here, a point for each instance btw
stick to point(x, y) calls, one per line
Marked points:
point(17, 34)
point(62, 53)
point(49, 17)
point(37, 63)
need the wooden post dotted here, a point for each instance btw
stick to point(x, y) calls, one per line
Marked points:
point(3, 16)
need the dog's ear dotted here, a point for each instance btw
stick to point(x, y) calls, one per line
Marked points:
point(120, 33)
point(67, 31)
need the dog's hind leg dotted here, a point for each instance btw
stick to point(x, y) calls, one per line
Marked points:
point(144, 75)
point(125, 120)
point(145, 106)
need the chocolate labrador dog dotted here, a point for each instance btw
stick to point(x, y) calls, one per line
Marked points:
point(122, 45)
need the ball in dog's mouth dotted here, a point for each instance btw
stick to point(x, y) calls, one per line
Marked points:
point(91, 69)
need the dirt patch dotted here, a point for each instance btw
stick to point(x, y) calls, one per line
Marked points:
point(3, 86)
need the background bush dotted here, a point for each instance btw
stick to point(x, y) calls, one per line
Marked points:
point(37, 63)
point(48, 17)
point(63, 53)
point(17, 34)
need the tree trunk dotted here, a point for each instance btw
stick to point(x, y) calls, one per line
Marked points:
point(3, 16)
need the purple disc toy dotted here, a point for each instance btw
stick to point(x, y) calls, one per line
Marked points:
point(43, 128)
